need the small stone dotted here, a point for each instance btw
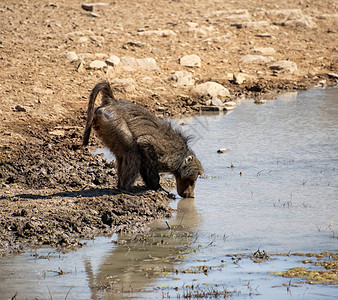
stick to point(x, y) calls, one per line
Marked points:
point(97, 65)
point(223, 150)
point(132, 64)
point(216, 102)
point(254, 25)
point(80, 68)
point(192, 61)
point(256, 59)
point(284, 66)
point(212, 89)
point(239, 78)
point(260, 101)
point(332, 75)
point(264, 51)
point(161, 33)
point(183, 78)
point(20, 108)
point(94, 15)
point(113, 60)
point(230, 105)
point(147, 64)
point(71, 56)
point(43, 91)
point(57, 132)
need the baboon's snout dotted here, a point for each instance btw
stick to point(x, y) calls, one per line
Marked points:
point(185, 188)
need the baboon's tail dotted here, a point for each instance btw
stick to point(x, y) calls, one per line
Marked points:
point(107, 97)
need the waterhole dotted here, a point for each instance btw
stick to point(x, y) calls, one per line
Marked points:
point(267, 205)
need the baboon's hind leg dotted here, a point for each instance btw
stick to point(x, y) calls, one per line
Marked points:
point(127, 170)
point(149, 167)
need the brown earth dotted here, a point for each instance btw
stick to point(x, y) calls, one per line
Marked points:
point(55, 193)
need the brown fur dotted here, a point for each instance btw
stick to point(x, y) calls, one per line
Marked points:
point(141, 142)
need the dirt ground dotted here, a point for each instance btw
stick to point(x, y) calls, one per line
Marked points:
point(55, 193)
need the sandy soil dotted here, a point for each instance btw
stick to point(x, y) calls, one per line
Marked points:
point(52, 191)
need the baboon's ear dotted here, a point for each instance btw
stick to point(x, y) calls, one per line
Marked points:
point(188, 159)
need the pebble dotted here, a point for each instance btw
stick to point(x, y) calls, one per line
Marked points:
point(284, 66)
point(254, 25)
point(249, 58)
point(20, 108)
point(161, 33)
point(223, 150)
point(239, 78)
point(43, 91)
point(113, 60)
point(264, 51)
point(97, 65)
point(132, 64)
point(126, 84)
point(71, 56)
point(91, 6)
point(192, 61)
point(332, 75)
point(260, 101)
point(216, 102)
point(230, 105)
point(183, 78)
point(212, 89)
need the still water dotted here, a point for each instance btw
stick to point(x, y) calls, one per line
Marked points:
point(275, 190)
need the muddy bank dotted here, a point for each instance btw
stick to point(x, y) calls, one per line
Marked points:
point(251, 49)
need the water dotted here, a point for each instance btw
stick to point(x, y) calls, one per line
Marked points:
point(275, 190)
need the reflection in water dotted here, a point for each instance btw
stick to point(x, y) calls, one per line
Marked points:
point(140, 259)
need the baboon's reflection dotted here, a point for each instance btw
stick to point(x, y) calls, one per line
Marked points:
point(138, 260)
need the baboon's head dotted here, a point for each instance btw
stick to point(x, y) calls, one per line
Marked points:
point(187, 175)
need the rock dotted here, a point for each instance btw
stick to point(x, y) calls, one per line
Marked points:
point(43, 91)
point(333, 17)
point(161, 33)
point(200, 31)
point(94, 15)
point(264, 51)
point(57, 132)
point(91, 6)
point(223, 150)
point(212, 89)
point(264, 35)
point(254, 25)
point(112, 60)
point(283, 14)
point(284, 66)
point(80, 68)
point(97, 65)
point(303, 21)
point(125, 85)
point(230, 105)
point(222, 38)
point(132, 64)
point(71, 56)
point(256, 58)
point(239, 78)
point(147, 64)
point(260, 101)
point(332, 75)
point(191, 61)
point(20, 108)
point(216, 102)
point(183, 78)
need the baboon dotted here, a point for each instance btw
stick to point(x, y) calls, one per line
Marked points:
point(142, 143)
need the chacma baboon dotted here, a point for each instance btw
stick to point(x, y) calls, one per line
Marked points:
point(141, 143)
